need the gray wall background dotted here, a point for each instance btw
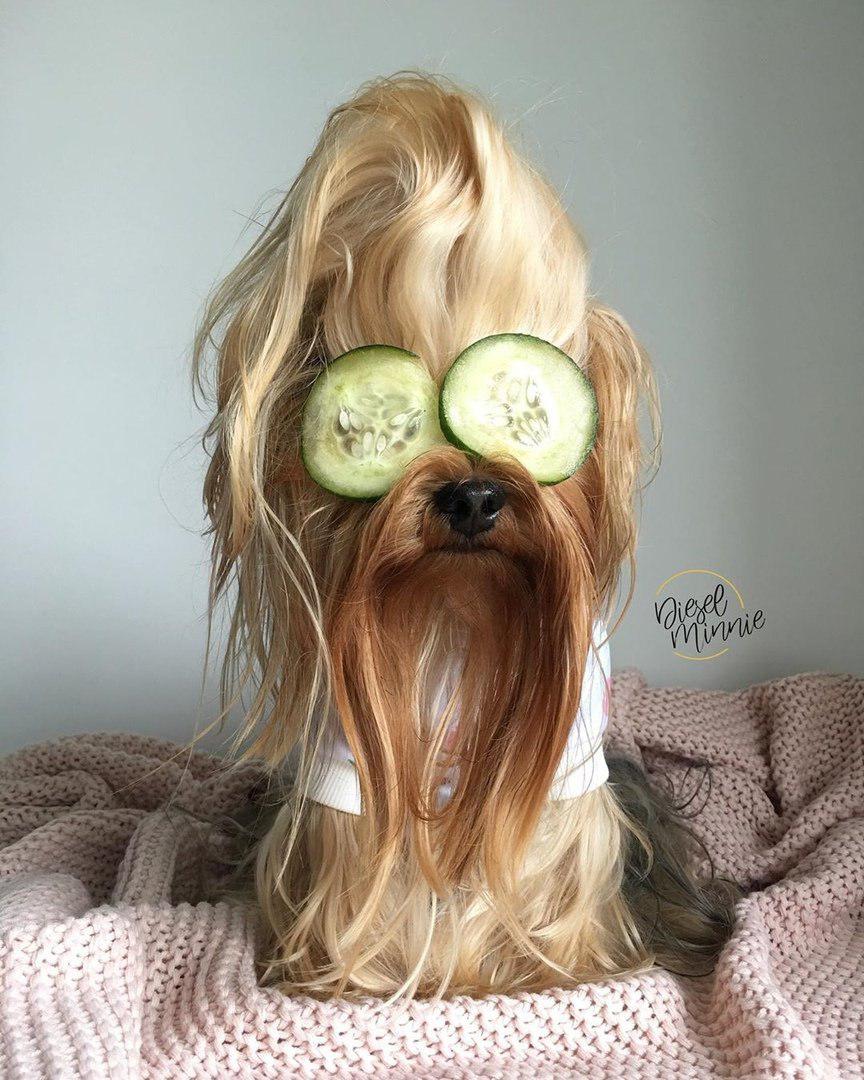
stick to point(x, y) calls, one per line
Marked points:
point(712, 153)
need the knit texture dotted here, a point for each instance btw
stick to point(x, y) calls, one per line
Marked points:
point(110, 966)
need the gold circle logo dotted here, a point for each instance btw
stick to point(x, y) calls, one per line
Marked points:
point(687, 621)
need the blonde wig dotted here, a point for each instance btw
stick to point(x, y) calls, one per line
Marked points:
point(415, 222)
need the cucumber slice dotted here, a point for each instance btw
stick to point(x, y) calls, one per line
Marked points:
point(517, 394)
point(369, 412)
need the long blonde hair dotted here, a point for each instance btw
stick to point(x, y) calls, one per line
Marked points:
point(414, 222)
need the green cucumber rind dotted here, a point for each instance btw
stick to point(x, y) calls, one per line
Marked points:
point(451, 435)
point(320, 479)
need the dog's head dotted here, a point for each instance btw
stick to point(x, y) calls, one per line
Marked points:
point(414, 222)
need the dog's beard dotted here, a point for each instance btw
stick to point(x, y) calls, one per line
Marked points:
point(510, 616)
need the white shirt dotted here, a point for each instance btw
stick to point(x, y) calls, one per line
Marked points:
point(335, 781)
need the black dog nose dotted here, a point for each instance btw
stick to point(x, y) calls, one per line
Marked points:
point(471, 506)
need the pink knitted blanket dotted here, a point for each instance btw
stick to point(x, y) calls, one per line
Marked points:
point(110, 967)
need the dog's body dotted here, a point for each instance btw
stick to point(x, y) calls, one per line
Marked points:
point(415, 223)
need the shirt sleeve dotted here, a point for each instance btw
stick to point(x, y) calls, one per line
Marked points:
point(583, 764)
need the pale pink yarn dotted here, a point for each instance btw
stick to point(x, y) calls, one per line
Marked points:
point(109, 967)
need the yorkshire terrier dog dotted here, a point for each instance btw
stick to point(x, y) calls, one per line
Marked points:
point(423, 464)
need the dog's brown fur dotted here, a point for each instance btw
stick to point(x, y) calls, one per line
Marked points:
point(415, 223)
